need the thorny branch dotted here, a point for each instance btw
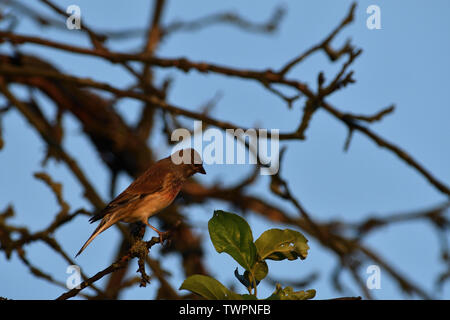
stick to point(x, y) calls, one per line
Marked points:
point(139, 249)
point(264, 77)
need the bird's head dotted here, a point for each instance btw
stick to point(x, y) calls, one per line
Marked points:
point(188, 162)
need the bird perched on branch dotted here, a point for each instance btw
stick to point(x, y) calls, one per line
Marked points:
point(150, 193)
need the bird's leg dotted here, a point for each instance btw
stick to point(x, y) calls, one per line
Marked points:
point(159, 232)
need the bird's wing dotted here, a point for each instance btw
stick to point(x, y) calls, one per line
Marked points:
point(148, 183)
point(125, 199)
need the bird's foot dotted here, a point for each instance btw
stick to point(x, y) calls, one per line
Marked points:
point(163, 236)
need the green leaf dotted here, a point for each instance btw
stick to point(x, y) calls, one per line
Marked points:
point(209, 288)
point(231, 234)
point(289, 294)
point(277, 244)
point(260, 270)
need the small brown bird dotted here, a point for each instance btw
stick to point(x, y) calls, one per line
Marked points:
point(151, 192)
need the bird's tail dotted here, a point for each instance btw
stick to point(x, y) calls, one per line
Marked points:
point(106, 222)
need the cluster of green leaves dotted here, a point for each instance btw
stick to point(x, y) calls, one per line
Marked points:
point(230, 233)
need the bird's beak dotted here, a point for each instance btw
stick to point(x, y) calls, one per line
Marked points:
point(201, 170)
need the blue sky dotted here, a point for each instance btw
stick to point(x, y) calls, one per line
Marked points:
point(405, 63)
